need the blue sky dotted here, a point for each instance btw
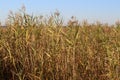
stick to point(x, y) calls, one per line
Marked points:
point(92, 10)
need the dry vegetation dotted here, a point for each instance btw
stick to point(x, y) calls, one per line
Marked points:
point(41, 48)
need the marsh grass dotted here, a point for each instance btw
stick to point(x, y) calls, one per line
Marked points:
point(39, 48)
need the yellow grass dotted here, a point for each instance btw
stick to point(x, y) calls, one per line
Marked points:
point(40, 48)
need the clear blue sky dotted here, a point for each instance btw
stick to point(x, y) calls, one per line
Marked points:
point(92, 10)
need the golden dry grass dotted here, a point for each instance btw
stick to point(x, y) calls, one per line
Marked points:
point(37, 48)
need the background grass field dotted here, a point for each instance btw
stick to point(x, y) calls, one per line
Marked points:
point(42, 48)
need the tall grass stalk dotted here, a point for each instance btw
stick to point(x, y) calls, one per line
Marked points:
point(42, 48)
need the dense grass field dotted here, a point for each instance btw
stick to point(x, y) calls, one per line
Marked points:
point(42, 48)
